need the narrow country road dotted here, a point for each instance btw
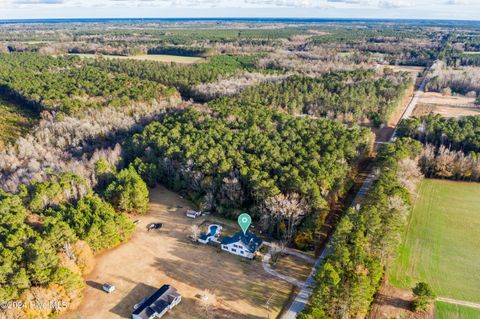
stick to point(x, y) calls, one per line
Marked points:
point(306, 291)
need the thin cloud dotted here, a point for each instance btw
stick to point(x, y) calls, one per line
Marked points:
point(395, 3)
point(38, 1)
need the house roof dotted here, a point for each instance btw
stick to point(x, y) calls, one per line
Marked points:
point(249, 239)
point(157, 302)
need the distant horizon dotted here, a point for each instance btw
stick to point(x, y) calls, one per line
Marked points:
point(246, 18)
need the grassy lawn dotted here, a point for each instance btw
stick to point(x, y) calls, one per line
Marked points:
point(448, 311)
point(441, 246)
point(14, 121)
point(149, 57)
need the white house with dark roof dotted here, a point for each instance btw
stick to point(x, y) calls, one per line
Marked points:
point(158, 303)
point(245, 245)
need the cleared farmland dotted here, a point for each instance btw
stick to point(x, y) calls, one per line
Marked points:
point(441, 244)
point(148, 57)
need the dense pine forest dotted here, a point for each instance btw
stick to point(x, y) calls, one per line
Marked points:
point(351, 96)
point(244, 157)
point(67, 84)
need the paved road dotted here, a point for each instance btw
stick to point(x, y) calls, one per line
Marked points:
point(303, 296)
point(459, 302)
point(411, 106)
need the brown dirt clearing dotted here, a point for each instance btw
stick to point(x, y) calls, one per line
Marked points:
point(392, 302)
point(166, 256)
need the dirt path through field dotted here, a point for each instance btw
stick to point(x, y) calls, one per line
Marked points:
point(460, 302)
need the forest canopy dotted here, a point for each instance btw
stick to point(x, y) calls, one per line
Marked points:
point(241, 156)
point(68, 83)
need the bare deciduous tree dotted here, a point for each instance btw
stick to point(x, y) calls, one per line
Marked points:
point(290, 208)
point(277, 249)
point(409, 173)
point(59, 143)
point(208, 301)
point(194, 232)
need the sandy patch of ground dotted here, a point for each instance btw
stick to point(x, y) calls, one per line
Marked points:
point(166, 256)
point(445, 110)
point(318, 32)
point(407, 68)
point(392, 302)
point(453, 100)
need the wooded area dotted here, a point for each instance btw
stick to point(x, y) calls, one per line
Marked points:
point(365, 241)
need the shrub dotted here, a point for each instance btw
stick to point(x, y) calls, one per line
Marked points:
point(424, 296)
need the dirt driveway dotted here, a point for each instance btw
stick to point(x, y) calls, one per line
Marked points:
point(151, 259)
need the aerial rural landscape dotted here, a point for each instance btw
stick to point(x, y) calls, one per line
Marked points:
point(204, 168)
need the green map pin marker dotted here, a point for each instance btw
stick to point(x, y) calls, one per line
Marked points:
point(244, 220)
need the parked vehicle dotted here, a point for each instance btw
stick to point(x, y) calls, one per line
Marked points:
point(109, 288)
point(154, 226)
point(193, 214)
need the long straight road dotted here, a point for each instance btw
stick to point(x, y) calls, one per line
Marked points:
point(306, 291)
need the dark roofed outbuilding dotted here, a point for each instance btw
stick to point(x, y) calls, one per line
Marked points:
point(158, 303)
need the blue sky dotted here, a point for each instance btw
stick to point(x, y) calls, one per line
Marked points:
point(416, 9)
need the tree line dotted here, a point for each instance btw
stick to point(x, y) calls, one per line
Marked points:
point(461, 134)
point(352, 96)
point(181, 51)
point(50, 230)
point(366, 239)
point(451, 146)
point(183, 77)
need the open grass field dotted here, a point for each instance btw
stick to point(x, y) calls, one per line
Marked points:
point(448, 311)
point(293, 266)
point(149, 57)
point(14, 121)
point(167, 256)
point(441, 245)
